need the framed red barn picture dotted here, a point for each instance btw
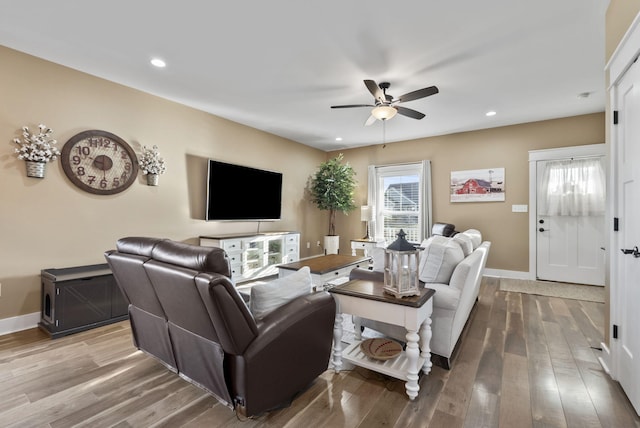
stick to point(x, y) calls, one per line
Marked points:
point(478, 185)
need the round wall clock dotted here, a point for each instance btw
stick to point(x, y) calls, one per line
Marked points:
point(99, 162)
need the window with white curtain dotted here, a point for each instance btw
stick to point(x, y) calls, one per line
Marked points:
point(401, 197)
point(573, 187)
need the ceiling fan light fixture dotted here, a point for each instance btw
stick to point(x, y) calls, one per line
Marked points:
point(383, 112)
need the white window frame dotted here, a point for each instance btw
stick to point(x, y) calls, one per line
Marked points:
point(423, 171)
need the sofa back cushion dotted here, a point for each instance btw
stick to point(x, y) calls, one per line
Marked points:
point(438, 259)
point(139, 245)
point(128, 270)
point(201, 259)
point(176, 289)
point(465, 243)
point(475, 235)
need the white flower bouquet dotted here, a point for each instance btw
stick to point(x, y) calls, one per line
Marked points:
point(151, 162)
point(37, 146)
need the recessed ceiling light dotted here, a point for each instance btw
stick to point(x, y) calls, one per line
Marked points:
point(490, 113)
point(157, 62)
point(338, 138)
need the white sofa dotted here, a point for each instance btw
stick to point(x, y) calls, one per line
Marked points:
point(452, 302)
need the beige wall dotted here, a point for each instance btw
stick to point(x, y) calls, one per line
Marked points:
point(505, 147)
point(620, 15)
point(51, 224)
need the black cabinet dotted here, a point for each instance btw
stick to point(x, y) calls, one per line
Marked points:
point(79, 298)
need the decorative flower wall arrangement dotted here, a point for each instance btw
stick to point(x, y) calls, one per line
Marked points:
point(37, 147)
point(151, 164)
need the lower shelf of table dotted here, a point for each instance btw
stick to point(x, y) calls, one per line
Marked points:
point(396, 367)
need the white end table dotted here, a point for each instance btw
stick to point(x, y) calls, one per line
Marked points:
point(367, 299)
point(366, 245)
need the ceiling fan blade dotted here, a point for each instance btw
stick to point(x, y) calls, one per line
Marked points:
point(353, 105)
point(370, 121)
point(420, 93)
point(375, 90)
point(409, 112)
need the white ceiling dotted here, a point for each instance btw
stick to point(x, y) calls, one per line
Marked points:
point(279, 65)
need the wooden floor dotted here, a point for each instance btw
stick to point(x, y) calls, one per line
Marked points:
point(524, 361)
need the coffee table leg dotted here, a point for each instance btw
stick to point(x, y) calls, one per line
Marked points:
point(337, 343)
point(413, 352)
point(425, 345)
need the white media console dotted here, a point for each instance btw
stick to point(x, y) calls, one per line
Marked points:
point(256, 256)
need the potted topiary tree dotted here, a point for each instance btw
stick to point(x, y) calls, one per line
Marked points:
point(331, 188)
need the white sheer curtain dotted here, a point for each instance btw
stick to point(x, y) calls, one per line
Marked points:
point(573, 187)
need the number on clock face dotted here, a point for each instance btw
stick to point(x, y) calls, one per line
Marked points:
point(99, 162)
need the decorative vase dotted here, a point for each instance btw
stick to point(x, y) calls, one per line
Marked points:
point(331, 244)
point(152, 179)
point(35, 169)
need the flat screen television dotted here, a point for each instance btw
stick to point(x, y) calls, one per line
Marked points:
point(236, 192)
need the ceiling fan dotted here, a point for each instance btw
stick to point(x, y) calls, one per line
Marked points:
point(386, 106)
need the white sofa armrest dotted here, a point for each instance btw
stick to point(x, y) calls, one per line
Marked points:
point(446, 297)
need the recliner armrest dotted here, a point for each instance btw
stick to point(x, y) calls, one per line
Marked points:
point(292, 348)
point(304, 313)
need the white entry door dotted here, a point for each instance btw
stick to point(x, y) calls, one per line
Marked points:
point(570, 248)
point(628, 236)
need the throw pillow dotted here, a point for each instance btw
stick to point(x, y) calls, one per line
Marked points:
point(465, 243)
point(438, 259)
point(271, 295)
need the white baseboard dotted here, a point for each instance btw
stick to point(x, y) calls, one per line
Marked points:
point(19, 323)
point(514, 274)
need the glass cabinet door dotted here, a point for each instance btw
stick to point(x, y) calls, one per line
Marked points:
point(275, 253)
point(253, 254)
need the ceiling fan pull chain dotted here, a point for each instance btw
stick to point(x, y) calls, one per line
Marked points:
point(384, 134)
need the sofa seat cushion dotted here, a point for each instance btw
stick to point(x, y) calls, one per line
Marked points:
point(268, 296)
point(438, 259)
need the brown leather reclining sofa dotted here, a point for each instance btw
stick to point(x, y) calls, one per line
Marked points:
point(185, 311)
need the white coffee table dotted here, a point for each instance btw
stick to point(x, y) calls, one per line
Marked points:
point(367, 299)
